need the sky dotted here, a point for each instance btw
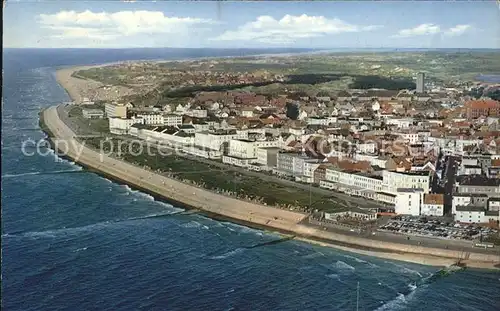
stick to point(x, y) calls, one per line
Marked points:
point(238, 24)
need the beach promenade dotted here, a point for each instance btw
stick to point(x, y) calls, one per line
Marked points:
point(248, 213)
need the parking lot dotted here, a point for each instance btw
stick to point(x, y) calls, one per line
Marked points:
point(436, 228)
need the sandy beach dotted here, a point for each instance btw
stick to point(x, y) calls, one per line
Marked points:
point(78, 89)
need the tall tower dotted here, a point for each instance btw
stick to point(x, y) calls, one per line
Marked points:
point(420, 82)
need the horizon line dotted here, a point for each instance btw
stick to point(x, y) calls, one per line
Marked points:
point(249, 48)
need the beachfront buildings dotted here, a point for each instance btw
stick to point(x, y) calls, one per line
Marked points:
point(243, 152)
point(218, 139)
point(416, 180)
point(432, 204)
point(268, 157)
point(160, 119)
point(292, 164)
point(408, 201)
point(92, 113)
point(121, 126)
point(352, 182)
point(115, 110)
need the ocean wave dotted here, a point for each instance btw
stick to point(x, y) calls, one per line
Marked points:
point(194, 224)
point(412, 286)
point(109, 181)
point(242, 229)
point(138, 193)
point(313, 255)
point(229, 254)
point(356, 259)
point(340, 265)
point(394, 304)
point(333, 276)
point(77, 230)
point(40, 173)
point(80, 249)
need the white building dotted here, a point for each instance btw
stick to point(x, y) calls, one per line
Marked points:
point(236, 161)
point(267, 156)
point(309, 168)
point(324, 121)
point(202, 152)
point(432, 205)
point(214, 140)
point(475, 214)
point(247, 149)
point(366, 147)
point(353, 183)
point(172, 120)
point(165, 136)
point(151, 118)
point(408, 201)
point(400, 123)
point(197, 113)
point(416, 180)
point(114, 110)
point(122, 126)
point(247, 113)
point(411, 138)
point(92, 113)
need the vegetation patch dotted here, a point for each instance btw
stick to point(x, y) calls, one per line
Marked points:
point(215, 178)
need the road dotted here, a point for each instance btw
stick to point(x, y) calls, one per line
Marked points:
point(450, 176)
point(457, 245)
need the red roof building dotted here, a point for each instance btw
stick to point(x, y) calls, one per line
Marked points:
point(477, 108)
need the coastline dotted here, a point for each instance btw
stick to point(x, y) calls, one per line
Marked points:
point(249, 214)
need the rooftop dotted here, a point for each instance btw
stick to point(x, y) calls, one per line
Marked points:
point(478, 180)
point(434, 198)
point(482, 104)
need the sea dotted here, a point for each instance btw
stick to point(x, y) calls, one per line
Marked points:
point(77, 241)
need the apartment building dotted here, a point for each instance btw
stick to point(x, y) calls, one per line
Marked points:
point(268, 156)
point(218, 139)
point(413, 180)
point(292, 164)
point(245, 148)
point(121, 126)
point(151, 118)
point(468, 199)
point(114, 110)
point(478, 184)
point(92, 113)
point(432, 204)
point(408, 201)
point(172, 120)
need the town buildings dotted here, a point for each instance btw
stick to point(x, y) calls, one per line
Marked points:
point(379, 145)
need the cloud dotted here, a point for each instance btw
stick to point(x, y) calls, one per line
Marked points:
point(432, 29)
point(420, 30)
point(108, 26)
point(458, 30)
point(289, 29)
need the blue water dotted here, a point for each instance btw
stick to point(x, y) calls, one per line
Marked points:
point(81, 242)
point(489, 78)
